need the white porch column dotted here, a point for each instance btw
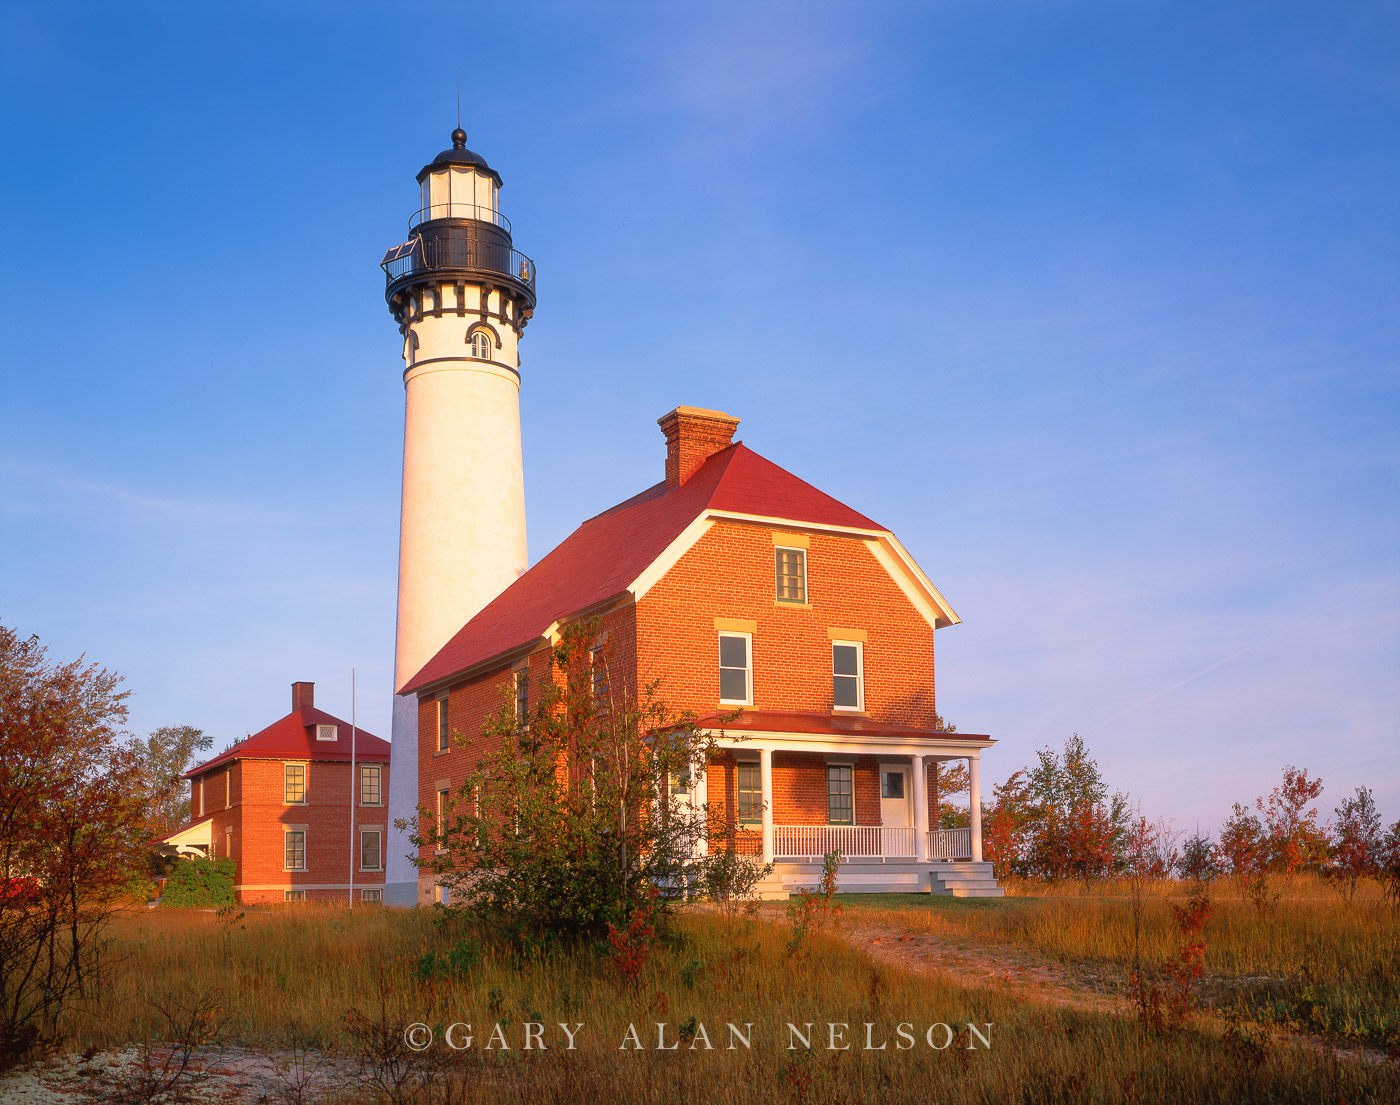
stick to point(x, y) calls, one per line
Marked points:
point(974, 804)
point(920, 808)
point(765, 772)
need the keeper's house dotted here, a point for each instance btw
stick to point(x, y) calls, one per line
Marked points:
point(278, 804)
point(744, 588)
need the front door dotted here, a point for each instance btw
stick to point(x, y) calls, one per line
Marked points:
point(895, 804)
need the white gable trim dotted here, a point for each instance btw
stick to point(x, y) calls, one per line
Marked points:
point(653, 573)
point(915, 585)
point(883, 546)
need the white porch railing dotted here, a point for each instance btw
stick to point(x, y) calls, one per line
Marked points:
point(950, 844)
point(811, 842)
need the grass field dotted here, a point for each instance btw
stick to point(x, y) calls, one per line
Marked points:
point(292, 975)
point(1311, 962)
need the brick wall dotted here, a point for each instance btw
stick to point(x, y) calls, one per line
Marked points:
point(729, 574)
point(258, 816)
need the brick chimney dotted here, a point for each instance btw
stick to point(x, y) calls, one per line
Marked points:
point(303, 695)
point(692, 437)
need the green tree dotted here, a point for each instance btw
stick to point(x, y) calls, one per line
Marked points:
point(567, 825)
point(166, 754)
point(1079, 829)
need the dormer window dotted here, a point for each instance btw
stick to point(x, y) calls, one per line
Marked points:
point(327, 732)
point(481, 345)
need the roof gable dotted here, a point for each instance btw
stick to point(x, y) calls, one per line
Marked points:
point(606, 554)
point(293, 738)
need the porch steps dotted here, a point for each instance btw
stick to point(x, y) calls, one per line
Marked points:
point(965, 879)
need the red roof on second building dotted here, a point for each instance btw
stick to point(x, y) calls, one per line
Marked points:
point(606, 554)
point(294, 738)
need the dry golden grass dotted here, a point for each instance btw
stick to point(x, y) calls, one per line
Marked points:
point(305, 967)
point(1311, 961)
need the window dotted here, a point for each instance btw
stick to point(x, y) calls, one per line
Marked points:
point(327, 732)
point(791, 570)
point(840, 804)
point(442, 804)
point(372, 896)
point(294, 841)
point(228, 842)
point(678, 782)
point(294, 781)
point(369, 785)
point(848, 675)
point(598, 665)
point(294, 895)
point(369, 850)
point(891, 784)
point(481, 345)
point(444, 729)
point(750, 793)
point(522, 697)
point(228, 787)
point(734, 668)
point(201, 798)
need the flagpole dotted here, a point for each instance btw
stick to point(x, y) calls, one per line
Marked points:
point(353, 782)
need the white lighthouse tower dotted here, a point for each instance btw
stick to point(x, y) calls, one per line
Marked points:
point(462, 295)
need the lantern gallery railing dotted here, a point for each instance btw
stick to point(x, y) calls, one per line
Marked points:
point(950, 844)
point(459, 253)
point(811, 842)
point(459, 211)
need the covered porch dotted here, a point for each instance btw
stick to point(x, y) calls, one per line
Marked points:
point(789, 789)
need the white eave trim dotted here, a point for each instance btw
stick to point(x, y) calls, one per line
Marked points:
point(869, 744)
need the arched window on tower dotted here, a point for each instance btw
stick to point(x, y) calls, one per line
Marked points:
point(481, 345)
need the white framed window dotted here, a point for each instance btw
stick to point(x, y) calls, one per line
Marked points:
point(522, 697)
point(294, 784)
point(790, 574)
point(444, 728)
point(891, 784)
point(840, 794)
point(371, 794)
point(847, 675)
point(598, 666)
point(327, 732)
point(201, 797)
point(481, 345)
point(294, 895)
point(442, 806)
point(750, 792)
point(371, 851)
point(228, 787)
point(294, 849)
point(736, 669)
point(371, 896)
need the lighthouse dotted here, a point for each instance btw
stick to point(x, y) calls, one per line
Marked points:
point(461, 294)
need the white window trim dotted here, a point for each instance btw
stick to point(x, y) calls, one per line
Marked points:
point(748, 670)
point(441, 711)
point(361, 783)
point(851, 765)
point(860, 677)
point(305, 847)
point(806, 599)
point(201, 796)
point(372, 832)
point(322, 729)
point(294, 895)
point(376, 892)
point(762, 798)
point(305, 781)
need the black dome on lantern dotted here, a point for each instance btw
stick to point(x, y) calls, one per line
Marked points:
point(459, 155)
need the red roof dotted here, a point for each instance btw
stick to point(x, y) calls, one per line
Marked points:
point(773, 721)
point(602, 558)
point(294, 738)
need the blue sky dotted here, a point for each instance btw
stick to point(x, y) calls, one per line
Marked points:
point(1094, 304)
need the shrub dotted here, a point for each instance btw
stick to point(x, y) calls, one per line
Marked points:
point(200, 884)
